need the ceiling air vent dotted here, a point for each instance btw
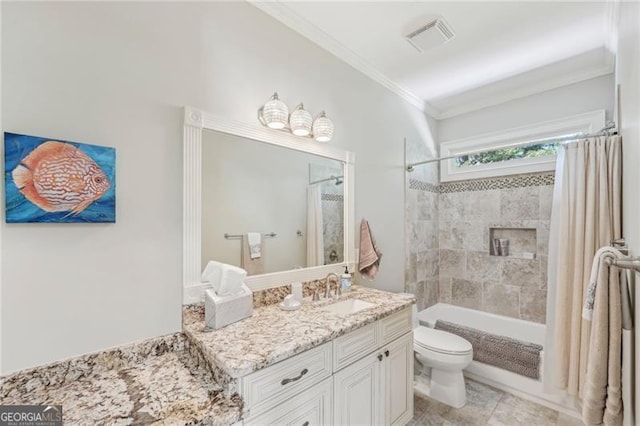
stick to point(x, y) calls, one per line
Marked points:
point(432, 34)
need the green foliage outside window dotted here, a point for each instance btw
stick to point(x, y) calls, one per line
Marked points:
point(506, 154)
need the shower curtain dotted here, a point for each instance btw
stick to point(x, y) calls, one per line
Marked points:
point(586, 215)
point(315, 238)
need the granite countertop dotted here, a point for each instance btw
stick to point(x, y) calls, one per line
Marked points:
point(157, 381)
point(272, 334)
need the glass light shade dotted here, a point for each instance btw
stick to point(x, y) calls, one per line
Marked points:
point(322, 128)
point(300, 121)
point(275, 113)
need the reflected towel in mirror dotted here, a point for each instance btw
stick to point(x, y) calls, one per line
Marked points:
point(255, 244)
point(252, 266)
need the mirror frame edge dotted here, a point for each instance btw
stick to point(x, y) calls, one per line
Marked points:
point(195, 121)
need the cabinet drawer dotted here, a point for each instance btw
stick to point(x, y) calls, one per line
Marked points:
point(311, 407)
point(269, 387)
point(353, 346)
point(395, 326)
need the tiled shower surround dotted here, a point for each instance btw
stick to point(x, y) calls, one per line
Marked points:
point(449, 244)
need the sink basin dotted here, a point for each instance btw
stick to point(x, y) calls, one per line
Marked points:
point(349, 306)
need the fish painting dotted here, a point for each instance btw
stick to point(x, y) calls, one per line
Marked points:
point(61, 181)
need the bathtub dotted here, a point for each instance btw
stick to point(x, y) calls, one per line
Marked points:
point(516, 384)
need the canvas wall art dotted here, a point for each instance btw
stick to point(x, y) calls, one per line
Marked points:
point(51, 180)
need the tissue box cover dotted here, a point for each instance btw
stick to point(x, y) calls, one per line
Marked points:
point(220, 311)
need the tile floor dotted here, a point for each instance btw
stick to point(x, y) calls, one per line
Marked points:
point(487, 406)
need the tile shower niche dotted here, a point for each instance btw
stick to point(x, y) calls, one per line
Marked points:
point(522, 242)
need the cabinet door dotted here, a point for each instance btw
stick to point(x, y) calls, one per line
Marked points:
point(357, 392)
point(398, 380)
point(310, 407)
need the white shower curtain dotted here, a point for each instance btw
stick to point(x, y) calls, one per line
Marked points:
point(315, 238)
point(586, 215)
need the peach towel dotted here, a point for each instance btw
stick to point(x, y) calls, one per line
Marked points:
point(369, 254)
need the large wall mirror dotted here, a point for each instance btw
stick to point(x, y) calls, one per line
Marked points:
point(296, 193)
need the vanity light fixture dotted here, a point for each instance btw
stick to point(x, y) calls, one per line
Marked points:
point(275, 115)
point(322, 128)
point(300, 121)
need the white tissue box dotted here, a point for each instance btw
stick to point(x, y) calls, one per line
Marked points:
point(220, 311)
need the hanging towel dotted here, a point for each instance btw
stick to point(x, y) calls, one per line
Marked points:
point(252, 266)
point(587, 307)
point(255, 244)
point(602, 393)
point(369, 257)
point(627, 352)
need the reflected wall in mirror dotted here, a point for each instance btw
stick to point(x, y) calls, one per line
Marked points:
point(249, 186)
point(241, 178)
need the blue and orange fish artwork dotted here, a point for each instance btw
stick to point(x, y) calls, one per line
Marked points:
point(50, 180)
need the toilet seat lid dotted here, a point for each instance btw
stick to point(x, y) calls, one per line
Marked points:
point(441, 341)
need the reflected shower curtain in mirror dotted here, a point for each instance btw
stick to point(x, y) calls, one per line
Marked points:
point(586, 215)
point(315, 239)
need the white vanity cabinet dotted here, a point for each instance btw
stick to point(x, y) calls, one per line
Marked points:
point(364, 377)
point(378, 388)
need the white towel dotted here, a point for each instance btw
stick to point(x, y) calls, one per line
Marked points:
point(602, 383)
point(255, 244)
point(212, 273)
point(225, 279)
point(587, 307)
point(231, 281)
point(252, 266)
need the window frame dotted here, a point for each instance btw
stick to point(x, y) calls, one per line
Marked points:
point(586, 123)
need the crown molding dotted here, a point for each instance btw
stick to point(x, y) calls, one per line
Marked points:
point(305, 28)
point(302, 26)
point(527, 90)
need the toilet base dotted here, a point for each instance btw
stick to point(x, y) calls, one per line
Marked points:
point(443, 386)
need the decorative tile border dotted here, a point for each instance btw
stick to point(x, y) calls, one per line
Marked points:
point(423, 186)
point(520, 181)
point(332, 197)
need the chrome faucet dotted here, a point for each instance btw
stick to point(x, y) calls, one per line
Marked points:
point(327, 292)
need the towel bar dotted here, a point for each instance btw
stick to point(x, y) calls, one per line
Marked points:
point(628, 263)
point(621, 245)
point(229, 236)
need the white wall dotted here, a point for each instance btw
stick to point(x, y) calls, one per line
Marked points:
point(117, 74)
point(589, 95)
point(627, 71)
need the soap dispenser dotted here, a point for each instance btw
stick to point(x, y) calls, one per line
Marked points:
point(345, 280)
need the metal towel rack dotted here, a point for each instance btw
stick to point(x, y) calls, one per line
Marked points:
point(632, 263)
point(230, 236)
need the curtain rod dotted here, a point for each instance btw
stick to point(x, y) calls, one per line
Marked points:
point(336, 178)
point(609, 130)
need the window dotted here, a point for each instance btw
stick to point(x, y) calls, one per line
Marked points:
point(507, 154)
point(499, 157)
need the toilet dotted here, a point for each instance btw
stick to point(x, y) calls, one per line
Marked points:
point(441, 356)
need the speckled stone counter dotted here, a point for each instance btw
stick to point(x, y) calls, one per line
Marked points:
point(272, 334)
point(157, 381)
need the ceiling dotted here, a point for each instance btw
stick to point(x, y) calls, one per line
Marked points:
point(501, 50)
